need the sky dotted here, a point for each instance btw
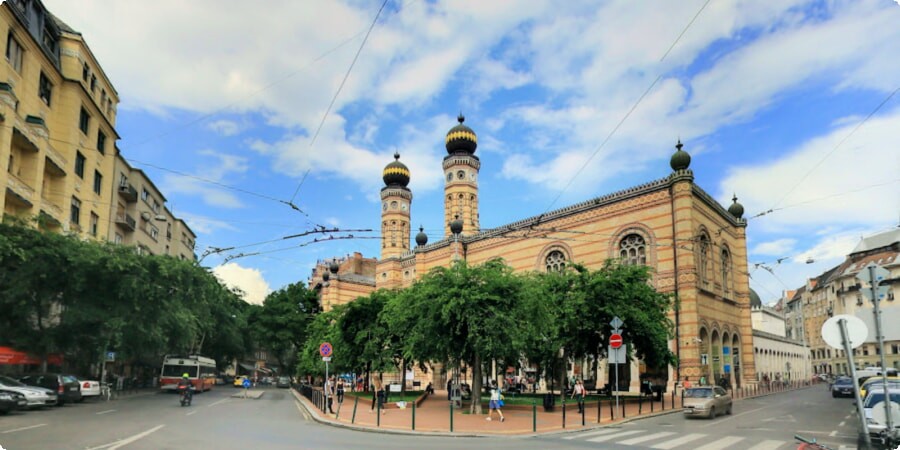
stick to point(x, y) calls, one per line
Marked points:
point(786, 103)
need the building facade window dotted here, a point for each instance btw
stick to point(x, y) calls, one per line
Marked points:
point(145, 195)
point(101, 142)
point(154, 232)
point(95, 224)
point(98, 182)
point(555, 261)
point(14, 52)
point(45, 89)
point(726, 271)
point(93, 83)
point(75, 211)
point(633, 250)
point(704, 263)
point(85, 71)
point(84, 121)
point(79, 164)
point(118, 238)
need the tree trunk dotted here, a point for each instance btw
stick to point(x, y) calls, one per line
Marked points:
point(476, 386)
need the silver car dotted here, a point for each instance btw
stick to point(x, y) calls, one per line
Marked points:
point(873, 407)
point(35, 396)
point(707, 401)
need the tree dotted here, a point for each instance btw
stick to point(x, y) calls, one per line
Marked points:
point(280, 324)
point(463, 313)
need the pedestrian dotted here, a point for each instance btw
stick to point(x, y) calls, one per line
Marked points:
point(429, 390)
point(246, 384)
point(703, 380)
point(340, 391)
point(579, 393)
point(381, 396)
point(687, 383)
point(495, 404)
point(329, 392)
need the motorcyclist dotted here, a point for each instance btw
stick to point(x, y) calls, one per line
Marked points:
point(185, 386)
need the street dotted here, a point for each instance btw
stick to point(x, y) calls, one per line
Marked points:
point(274, 421)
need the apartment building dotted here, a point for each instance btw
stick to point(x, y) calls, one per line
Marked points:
point(58, 158)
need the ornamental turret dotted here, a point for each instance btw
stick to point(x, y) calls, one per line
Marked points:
point(461, 168)
point(396, 201)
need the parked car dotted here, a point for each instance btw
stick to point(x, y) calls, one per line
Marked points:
point(66, 387)
point(89, 388)
point(842, 387)
point(34, 396)
point(708, 401)
point(283, 382)
point(11, 401)
point(873, 407)
point(893, 382)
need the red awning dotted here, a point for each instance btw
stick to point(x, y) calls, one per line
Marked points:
point(9, 355)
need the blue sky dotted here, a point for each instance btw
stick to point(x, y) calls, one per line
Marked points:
point(764, 94)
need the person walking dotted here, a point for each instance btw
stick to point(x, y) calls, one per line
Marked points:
point(703, 380)
point(329, 391)
point(246, 385)
point(340, 392)
point(687, 383)
point(579, 393)
point(495, 404)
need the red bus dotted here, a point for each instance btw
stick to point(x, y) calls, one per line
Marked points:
point(200, 369)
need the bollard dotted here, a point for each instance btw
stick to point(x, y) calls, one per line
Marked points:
point(640, 405)
point(651, 404)
point(599, 404)
point(564, 411)
point(682, 399)
point(623, 407)
point(353, 418)
point(534, 416)
point(337, 414)
point(378, 412)
point(583, 407)
point(673, 398)
point(612, 413)
point(414, 416)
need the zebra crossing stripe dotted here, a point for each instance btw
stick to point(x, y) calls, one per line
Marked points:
point(649, 437)
point(767, 445)
point(725, 442)
point(614, 436)
point(682, 440)
point(595, 433)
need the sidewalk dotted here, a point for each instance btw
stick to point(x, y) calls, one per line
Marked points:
point(433, 416)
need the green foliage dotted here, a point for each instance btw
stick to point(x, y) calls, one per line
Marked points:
point(280, 324)
point(63, 295)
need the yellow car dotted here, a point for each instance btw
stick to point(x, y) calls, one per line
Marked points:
point(893, 382)
point(239, 381)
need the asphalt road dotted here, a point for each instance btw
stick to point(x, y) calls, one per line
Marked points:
point(274, 421)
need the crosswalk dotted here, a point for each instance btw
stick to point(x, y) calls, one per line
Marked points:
point(671, 440)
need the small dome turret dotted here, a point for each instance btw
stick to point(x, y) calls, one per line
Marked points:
point(680, 160)
point(395, 173)
point(456, 226)
point(461, 139)
point(421, 238)
point(326, 276)
point(736, 209)
point(334, 267)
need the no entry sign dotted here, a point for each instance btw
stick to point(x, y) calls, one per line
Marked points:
point(615, 341)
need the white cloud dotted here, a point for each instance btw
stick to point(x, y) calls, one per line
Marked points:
point(777, 247)
point(250, 281)
point(225, 127)
point(225, 169)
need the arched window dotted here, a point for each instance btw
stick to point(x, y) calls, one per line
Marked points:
point(555, 262)
point(704, 263)
point(633, 250)
point(726, 271)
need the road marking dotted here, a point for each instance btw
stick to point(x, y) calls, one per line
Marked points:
point(682, 440)
point(716, 422)
point(595, 433)
point(842, 423)
point(725, 442)
point(833, 433)
point(649, 437)
point(767, 445)
point(303, 412)
point(191, 413)
point(216, 403)
point(117, 444)
point(106, 412)
point(614, 436)
point(24, 428)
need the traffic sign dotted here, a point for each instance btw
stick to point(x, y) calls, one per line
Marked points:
point(856, 331)
point(110, 356)
point(880, 274)
point(881, 292)
point(617, 355)
point(615, 341)
point(617, 323)
point(325, 349)
point(326, 358)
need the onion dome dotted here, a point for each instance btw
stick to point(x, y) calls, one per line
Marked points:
point(326, 276)
point(461, 139)
point(680, 159)
point(333, 267)
point(736, 209)
point(755, 301)
point(421, 238)
point(456, 226)
point(396, 173)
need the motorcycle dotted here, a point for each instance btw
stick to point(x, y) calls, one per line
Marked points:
point(186, 394)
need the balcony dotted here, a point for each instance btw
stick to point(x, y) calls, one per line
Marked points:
point(21, 191)
point(126, 221)
point(58, 162)
point(50, 208)
point(128, 192)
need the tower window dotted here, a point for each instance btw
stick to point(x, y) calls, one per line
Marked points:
point(556, 261)
point(461, 175)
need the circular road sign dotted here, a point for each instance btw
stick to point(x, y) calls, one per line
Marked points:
point(615, 341)
point(857, 331)
point(325, 349)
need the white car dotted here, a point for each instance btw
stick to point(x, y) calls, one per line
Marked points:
point(89, 388)
point(873, 407)
point(35, 396)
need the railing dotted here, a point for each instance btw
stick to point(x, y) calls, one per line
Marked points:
point(128, 192)
point(126, 220)
point(20, 187)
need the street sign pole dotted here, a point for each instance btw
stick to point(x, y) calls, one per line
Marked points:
point(616, 324)
point(873, 275)
point(845, 338)
point(325, 350)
